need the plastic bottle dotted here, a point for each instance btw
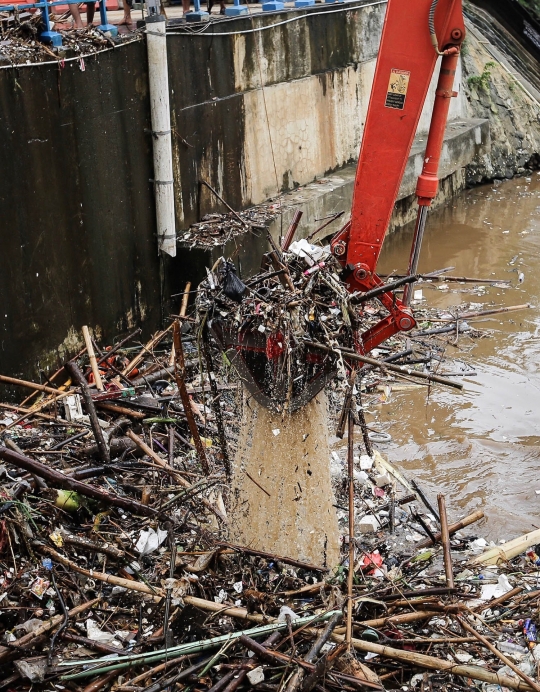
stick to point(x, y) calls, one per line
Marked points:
point(511, 648)
point(533, 557)
point(529, 630)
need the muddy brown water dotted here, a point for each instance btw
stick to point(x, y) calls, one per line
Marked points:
point(481, 447)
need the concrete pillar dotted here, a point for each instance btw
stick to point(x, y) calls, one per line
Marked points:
point(161, 133)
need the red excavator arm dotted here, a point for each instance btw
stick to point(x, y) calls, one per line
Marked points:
point(415, 34)
point(412, 33)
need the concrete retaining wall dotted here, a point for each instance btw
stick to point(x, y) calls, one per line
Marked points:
point(253, 114)
point(276, 108)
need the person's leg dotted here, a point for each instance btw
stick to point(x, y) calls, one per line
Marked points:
point(74, 10)
point(127, 12)
point(186, 6)
point(90, 10)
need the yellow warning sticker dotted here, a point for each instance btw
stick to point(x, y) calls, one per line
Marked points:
point(397, 89)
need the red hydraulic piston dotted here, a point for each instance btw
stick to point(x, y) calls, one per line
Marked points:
point(428, 181)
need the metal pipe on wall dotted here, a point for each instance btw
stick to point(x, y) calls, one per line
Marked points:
point(161, 133)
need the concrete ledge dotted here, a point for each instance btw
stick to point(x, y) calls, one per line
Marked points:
point(464, 139)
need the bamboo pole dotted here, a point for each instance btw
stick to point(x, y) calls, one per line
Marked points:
point(350, 574)
point(92, 357)
point(445, 537)
point(453, 528)
point(29, 385)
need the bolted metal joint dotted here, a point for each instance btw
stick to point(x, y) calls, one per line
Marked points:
point(361, 272)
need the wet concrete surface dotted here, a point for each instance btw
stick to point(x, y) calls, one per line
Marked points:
point(481, 447)
point(282, 499)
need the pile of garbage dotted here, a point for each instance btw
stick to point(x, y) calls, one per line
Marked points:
point(216, 230)
point(20, 43)
point(116, 568)
point(116, 572)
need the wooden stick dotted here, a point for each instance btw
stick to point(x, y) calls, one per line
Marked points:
point(499, 654)
point(182, 313)
point(150, 673)
point(495, 311)
point(46, 627)
point(62, 481)
point(103, 548)
point(29, 385)
point(101, 682)
point(78, 377)
point(216, 405)
point(179, 374)
point(154, 341)
point(401, 369)
point(121, 410)
point(180, 480)
point(453, 528)
point(445, 537)
point(203, 182)
point(273, 556)
point(497, 601)
point(350, 480)
point(92, 357)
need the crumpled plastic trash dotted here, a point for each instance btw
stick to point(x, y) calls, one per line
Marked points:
point(150, 540)
point(478, 545)
point(370, 560)
point(490, 591)
point(39, 587)
point(528, 665)
point(285, 610)
point(94, 632)
point(29, 626)
point(308, 252)
point(32, 669)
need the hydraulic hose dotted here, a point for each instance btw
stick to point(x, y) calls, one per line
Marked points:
point(431, 23)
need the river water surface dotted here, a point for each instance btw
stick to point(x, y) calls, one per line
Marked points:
point(480, 447)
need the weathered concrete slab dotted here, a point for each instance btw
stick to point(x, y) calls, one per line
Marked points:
point(464, 139)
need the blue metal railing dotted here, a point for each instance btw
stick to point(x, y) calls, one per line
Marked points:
point(54, 37)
